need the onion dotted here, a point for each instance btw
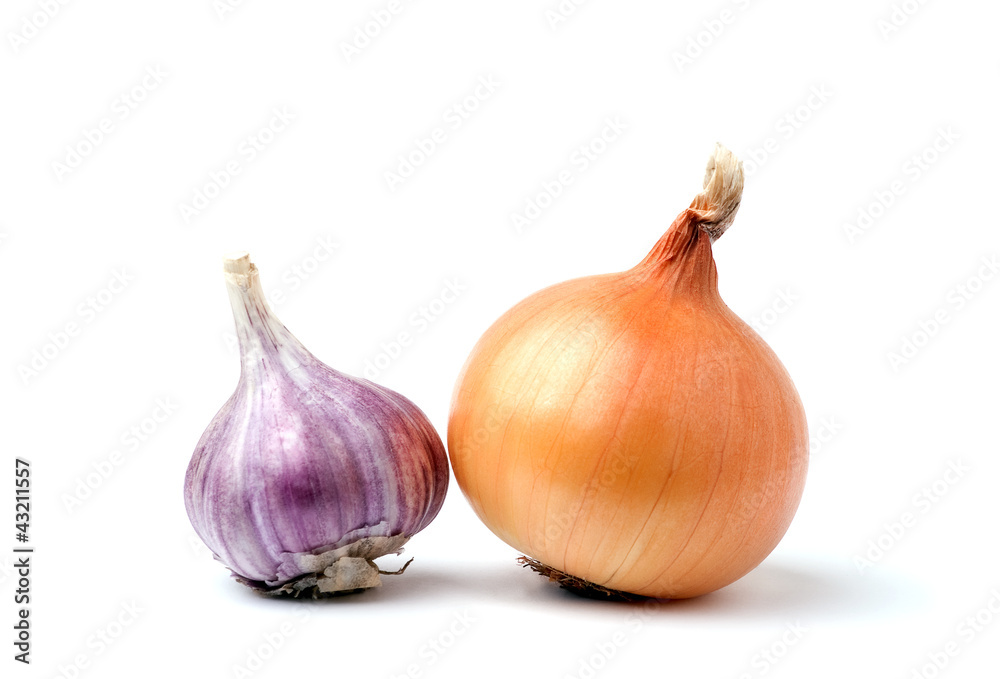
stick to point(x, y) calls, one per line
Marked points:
point(306, 475)
point(627, 431)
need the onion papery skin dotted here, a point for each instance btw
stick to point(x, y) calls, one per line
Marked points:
point(305, 468)
point(630, 430)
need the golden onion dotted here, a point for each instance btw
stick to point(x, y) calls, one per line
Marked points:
point(627, 431)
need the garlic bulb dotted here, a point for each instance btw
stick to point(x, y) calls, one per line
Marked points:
point(307, 475)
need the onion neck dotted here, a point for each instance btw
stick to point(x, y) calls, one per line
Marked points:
point(265, 344)
point(681, 262)
point(682, 259)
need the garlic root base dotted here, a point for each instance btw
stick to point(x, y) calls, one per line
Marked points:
point(344, 570)
point(577, 585)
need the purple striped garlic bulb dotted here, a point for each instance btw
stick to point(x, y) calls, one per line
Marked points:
point(307, 475)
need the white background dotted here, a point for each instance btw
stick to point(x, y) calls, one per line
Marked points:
point(885, 431)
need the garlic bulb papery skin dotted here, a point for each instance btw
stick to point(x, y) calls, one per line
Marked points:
point(628, 430)
point(306, 475)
